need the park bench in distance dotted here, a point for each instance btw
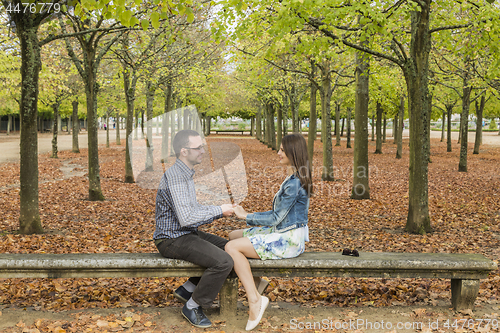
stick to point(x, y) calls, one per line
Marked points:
point(229, 131)
point(464, 270)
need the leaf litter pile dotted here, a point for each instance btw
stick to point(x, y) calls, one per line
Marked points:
point(464, 210)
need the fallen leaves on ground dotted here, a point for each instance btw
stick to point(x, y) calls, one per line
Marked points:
point(127, 321)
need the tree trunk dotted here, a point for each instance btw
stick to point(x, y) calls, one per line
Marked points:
point(286, 106)
point(29, 216)
point(76, 127)
point(264, 126)
point(373, 127)
point(107, 127)
point(337, 125)
point(400, 127)
point(449, 108)
point(285, 118)
point(342, 128)
point(429, 128)
point(129, 88)
point(466, 90)
point(55, 108)
point(252, 126)
point(384, 135)
point(395, 129)
point(416, 72)
point(267, 126)
point(136, 121)
point(142, 122)
point(59, 122)
point(172, 131)
point(360, 184)
point(91, 89)
point(348, 134)
point(295, 128)
point(326, 124)
point(279, 131)
point(295, 99)
point(150, 95)
point(479, 126)
point(9, 124)
point(208, 120)
point(443, 126)
point(271, 127)
point(157, 125)
point(88, 71)
point(185, 120)
point(313, 117)
point(167, 91)
point(378, 149)
point(258, 124)
point(460, 130)
point(118, 121)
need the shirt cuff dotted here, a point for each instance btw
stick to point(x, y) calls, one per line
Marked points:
point(218, 212)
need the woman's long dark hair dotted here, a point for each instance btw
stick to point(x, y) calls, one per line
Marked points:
point(295, 148)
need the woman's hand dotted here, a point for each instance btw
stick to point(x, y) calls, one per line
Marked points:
point(240, 212)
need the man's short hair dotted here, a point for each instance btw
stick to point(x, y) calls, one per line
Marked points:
point(181, 140)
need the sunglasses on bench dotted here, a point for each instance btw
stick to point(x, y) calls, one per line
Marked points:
point(352, 253)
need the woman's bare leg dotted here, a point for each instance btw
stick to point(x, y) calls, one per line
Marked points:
point(240, 249)
point(236, 234)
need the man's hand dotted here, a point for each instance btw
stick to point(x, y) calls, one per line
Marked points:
point(240, 212)
point(227, 210)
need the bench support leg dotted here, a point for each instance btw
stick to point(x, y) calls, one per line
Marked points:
point(464, 293)
point(229, 297)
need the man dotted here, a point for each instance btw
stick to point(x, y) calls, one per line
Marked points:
point(178, 216)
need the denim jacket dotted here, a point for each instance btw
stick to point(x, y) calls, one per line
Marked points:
point(290, 207)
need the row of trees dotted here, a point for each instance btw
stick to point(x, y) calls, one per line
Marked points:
point(95, 49)
point(288, 60)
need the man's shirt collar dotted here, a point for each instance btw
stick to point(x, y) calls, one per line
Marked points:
point(184, 168)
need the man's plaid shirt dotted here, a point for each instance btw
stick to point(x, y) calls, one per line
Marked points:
point(177, 211)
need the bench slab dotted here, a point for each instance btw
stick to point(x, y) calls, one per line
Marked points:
point(464, 270)
point(228, 131)
point(309, 264)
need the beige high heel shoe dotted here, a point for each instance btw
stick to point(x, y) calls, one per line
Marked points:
point(261, 284)
point(251, 324)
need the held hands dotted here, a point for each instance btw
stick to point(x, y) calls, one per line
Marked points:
point(230, 210)
point(240, 212)
point(227, 210)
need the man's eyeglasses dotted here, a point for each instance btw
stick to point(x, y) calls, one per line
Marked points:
point(204, 147)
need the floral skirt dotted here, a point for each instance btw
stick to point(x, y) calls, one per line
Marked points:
point(270, 244)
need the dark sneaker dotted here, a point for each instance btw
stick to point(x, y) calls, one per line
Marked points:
point(196, 317)
point(182, 294)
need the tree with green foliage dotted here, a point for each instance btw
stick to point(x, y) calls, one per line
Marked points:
point(93, 48)
point(26, 26)
point(56, 80)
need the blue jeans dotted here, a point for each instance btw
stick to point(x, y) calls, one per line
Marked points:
point(205, 250)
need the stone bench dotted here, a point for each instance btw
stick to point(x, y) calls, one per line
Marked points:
point(464, 270)
point(228, 131)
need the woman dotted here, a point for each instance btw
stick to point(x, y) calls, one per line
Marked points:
point(283, 230)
